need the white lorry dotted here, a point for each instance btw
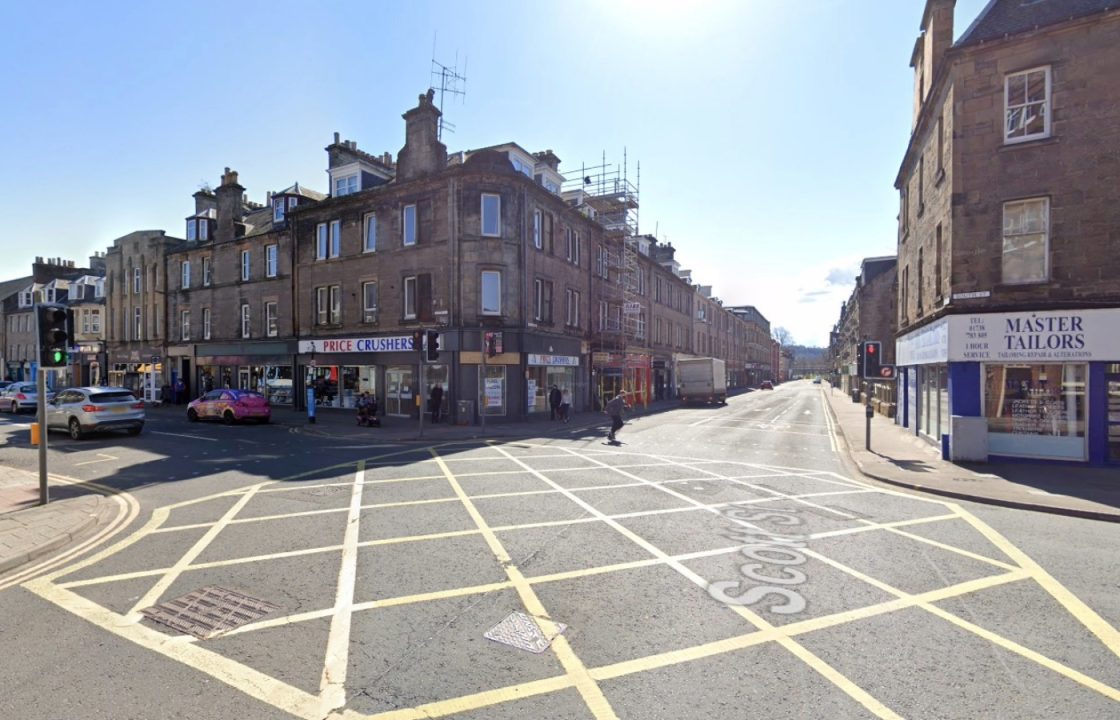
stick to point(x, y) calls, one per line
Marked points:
point(702, 380)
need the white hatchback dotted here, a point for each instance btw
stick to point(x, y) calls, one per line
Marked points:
point(91, 409)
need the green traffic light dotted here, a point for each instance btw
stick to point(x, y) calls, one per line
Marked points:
point(58, 356)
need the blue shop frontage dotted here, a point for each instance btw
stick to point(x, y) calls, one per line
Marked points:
point(1038, 386)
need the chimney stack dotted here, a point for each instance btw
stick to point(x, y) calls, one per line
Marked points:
point(423, 153)
point(230, 195)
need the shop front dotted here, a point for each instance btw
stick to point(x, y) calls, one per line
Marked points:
point(139, 370)
point(629, 373)
point(544, 372)
point(338, 371)
point(663, 381)
point(260, 367)
point(87, 365)
point(1047, 383)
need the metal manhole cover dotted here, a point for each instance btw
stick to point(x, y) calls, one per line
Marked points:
point(208, 611)
point(522, 632)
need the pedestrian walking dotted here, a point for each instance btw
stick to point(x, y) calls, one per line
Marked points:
point(435, 402)
point(565, 405)
point(554, 400)
point(614, 409)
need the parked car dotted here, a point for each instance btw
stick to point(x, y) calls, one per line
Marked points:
point(816, 381)
point(83, 410)
point(766, 385)
point(20, 396)
point(230, 406)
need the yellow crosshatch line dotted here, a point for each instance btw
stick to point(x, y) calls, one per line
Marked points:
point(305, 705)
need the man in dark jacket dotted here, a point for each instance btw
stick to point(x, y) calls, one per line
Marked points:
point(435, 402)
point(554, 400)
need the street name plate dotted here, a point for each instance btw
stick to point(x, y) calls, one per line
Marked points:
point(208, 611)
point(522, 632)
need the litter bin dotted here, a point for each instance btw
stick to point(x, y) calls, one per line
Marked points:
point(465, 412)
point(35, 434)
point(855, 396)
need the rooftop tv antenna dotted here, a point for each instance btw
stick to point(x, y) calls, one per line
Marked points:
point(448, 81)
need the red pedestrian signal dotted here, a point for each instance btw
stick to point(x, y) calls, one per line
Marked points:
point(872, 352)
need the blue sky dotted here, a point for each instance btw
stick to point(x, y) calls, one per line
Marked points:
point(769, 132)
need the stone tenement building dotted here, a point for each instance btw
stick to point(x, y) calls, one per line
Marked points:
point(868, 314)
point(1009, 279)
point(531, 281)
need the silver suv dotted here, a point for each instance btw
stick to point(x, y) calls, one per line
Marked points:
point(91, 409)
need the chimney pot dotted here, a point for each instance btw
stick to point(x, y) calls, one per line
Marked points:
point(336, 138)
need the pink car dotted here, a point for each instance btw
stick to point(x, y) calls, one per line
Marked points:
point(230, 406)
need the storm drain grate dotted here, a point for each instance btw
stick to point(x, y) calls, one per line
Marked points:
point(522, 632)
point(208, 611)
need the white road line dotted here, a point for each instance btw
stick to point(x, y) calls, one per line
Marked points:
point(105, 458)
point(332, 684)
point(192, 437)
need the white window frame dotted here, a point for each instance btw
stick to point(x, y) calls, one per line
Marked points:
point(496, 277)
point(346, 185)
point(538, 299)
point(85, 322)
point(410, 288)
point(1045, 103)
point(578, 249)
point(95, 320)
point(245, 265)
point(335, 294)
point(491, 223)
point(246, 319)
point(292, 201)
point(569, 237)
point(137, 323)
point(203, 229)
point(184, 324)
point(321, 244)
point(538, 223)
point(206, 323)
point(206, 271)
point(573, 307)
point(369, 312)
point(321, 311)
point(408, 225)
point(137, 279)
point(192, 231)
point(1022, 233)
point(271, 328)
point(278, 209)
point(369, 233)
point(336, 238)
point(185, 274)
point(271, 260)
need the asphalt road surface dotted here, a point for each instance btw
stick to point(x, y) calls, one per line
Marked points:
point(717, 563)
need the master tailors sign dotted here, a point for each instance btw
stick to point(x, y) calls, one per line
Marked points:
point(1052, 336)
point(402, 343)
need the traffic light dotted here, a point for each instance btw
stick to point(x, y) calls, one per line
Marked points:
point(432, 351)
point(55, 324)
point(872, 359)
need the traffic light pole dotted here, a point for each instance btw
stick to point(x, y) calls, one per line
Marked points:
point(44, 493)
point(420, 389)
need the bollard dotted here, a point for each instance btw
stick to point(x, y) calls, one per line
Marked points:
point(35, 434)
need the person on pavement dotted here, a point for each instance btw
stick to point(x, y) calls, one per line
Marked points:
point(565, 405)
point(435, 402)
point(614, 409)
point(554, 400)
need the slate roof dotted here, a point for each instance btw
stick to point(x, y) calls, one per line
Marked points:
point(11, 287)
point(1001, 18)
point(258, 222)
point(298, 189)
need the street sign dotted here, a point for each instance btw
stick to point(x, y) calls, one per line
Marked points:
point(632, 308)
point(886, 372)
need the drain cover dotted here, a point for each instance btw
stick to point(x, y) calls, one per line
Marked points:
point(522, 632)
point(208, 611)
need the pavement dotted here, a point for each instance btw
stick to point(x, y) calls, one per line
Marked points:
point(897, 457)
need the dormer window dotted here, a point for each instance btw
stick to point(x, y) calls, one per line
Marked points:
point(203, 230)
point(25, 299)
point(345, 185)
point(278, 206)
point(292, 202)
point(192, 229)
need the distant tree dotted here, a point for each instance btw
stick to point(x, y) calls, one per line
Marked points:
point(783, 336)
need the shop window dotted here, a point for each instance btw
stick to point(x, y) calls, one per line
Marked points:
point(1036, 410)
point(492, 380)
